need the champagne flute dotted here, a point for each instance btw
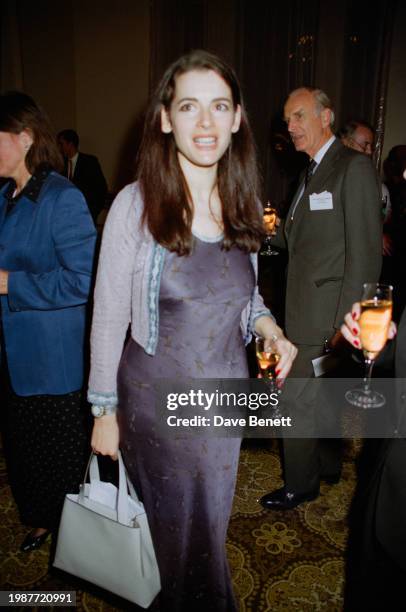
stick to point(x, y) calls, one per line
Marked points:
point(269, 217)
point(374, 322)
point(267, 358)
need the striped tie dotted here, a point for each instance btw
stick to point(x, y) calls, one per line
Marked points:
point(309, 172)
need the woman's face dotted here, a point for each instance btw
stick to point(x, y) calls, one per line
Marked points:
point(13, 149)
point(202, 117)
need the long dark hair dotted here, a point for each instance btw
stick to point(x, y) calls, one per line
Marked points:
point(168, 209)
point(19, 112)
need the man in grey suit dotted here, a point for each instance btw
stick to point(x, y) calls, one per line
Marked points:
point(333, 233)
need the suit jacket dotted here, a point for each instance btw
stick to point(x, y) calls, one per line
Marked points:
point(46, 243)
point(89, 178)
point(331, 252)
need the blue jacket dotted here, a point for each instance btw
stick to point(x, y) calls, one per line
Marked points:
point(46, 243)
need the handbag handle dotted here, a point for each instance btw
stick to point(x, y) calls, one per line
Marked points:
point(123, 482)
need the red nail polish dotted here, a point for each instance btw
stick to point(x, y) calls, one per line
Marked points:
point(277, 372)
point(355, 331)
point(356, 342)
point(353, 315)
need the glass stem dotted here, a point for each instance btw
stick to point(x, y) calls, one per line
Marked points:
point(369, 364)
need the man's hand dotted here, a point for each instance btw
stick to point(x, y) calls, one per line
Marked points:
point(387, 245)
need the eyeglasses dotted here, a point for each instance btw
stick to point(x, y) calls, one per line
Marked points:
point(365, 147)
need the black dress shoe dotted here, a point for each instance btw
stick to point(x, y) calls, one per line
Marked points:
point(331, 479)
point(32, 542)
point(281, 499)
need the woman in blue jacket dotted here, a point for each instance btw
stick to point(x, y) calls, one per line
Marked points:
point(47, 240)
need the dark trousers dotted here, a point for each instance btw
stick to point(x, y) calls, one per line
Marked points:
point(306, 458)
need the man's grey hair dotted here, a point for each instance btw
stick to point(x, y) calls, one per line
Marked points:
point(320, 97)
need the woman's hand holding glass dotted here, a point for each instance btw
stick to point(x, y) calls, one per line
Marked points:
point(352, 331)
point(275, 356)
point(287, 354)
point(368, 327)
point(276, 342)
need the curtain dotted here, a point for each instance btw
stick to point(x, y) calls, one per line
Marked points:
point(281, 45)
point(11, 68)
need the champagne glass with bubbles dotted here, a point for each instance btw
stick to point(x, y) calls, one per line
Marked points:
point(268, 359)
point(374, 322)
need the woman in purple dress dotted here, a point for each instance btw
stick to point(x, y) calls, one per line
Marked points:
point(178, 263)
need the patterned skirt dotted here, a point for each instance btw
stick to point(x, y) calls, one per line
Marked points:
point(46, 439)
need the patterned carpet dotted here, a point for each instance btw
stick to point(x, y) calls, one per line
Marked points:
point(281, 562)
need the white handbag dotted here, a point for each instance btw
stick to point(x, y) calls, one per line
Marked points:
point(104, 538)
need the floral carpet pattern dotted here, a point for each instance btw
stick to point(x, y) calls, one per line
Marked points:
point(281, 562)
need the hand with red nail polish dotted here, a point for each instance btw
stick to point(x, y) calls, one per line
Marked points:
point(351, 329)
point(275, 341)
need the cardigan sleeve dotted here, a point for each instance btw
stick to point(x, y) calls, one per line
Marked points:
point(256, 307)
point(112, 297)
